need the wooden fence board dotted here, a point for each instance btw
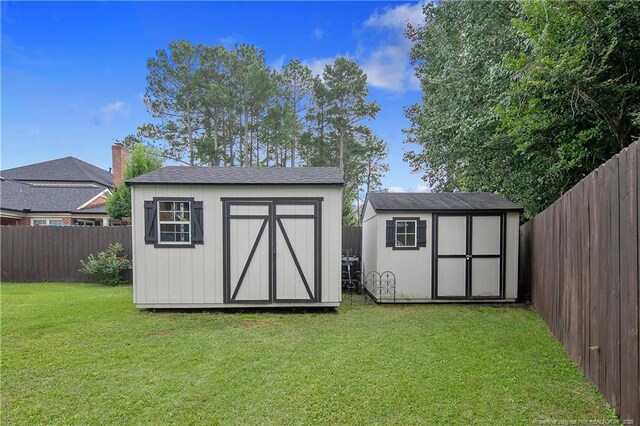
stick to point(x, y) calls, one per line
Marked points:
point(584, 275)
point(583, 262)
point(629, 392)
point(33, 254)
point(612, 284)
point(36, 254)
point(352, 239)
point(600, 274)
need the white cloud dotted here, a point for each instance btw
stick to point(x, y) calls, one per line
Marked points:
point(317, 33)
point(396, 189)
point(109, 111)
point(396, 17)
point(278, 63)
point(317, 64)
point(386, 62)
point(388, 68)
point(388, 65)
point(227, 41)
point(418, 188)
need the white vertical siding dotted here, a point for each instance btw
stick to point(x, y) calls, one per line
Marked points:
point(369, 241)
point(194, 276)
point(511, 259)
point(412, 268)
point(331, 244)
point(289, 283)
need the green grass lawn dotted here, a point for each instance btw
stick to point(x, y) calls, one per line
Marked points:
point(82, 354)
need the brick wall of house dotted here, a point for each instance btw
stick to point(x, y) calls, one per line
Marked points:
point(96, 203)
point(7, 221)
point(25, 221)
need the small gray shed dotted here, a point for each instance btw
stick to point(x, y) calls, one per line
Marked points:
point(236, 237)
point(429, 247)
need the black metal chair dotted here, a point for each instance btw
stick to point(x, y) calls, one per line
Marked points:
point(350, 274)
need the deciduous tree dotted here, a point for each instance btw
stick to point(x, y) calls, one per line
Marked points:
point(523, 98)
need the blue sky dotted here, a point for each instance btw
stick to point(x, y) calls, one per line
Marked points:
point(73, 74)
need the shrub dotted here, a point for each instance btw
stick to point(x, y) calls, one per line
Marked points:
point(108, 266)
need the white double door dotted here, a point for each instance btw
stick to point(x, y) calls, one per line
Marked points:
point(469, 256)
point(272, 250)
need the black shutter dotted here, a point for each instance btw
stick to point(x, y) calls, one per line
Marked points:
point(391, 233)
point(197, 223)
point(422, 233)
point(150, 222)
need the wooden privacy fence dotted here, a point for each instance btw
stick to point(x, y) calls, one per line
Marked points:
point(352, 239)
point(583, 253)
point(43, 253)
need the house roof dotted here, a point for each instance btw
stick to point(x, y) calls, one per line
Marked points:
point(94, 209)
point(20, 196)
point(241, 176)
point(458, 201)
point(67, 169)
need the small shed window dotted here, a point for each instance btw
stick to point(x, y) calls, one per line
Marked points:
point(173, 222)
point(174, 218)
point(405, 233)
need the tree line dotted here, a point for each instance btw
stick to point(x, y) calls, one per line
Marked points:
point(220, 107)
point(523, 97)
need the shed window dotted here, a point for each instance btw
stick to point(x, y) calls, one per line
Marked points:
point(173, 222)
point(405, 233)
point(174, 218)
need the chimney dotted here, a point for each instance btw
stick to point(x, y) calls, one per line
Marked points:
point(119, 159)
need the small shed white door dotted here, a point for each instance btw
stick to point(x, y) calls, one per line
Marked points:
point(248, 260)
point(468, 256)
point(271, 250)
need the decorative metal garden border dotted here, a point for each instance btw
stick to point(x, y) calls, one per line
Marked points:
point(381, 285)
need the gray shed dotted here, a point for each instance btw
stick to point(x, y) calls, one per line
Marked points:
point(236, 237)
point(428, 247)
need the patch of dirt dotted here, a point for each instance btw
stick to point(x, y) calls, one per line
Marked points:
point(161, 334)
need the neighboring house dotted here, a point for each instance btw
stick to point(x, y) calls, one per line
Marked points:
point(65, 191)
point(234, 237)
point(440, 247)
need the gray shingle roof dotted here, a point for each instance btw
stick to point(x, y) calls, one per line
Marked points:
point(67, 169)
point(19, 196)
point(458, 201)
point(241, 176)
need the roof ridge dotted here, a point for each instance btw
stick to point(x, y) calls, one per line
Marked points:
point(38, 163)
point(440, 201)
point(241, 175)
point(64, 169)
